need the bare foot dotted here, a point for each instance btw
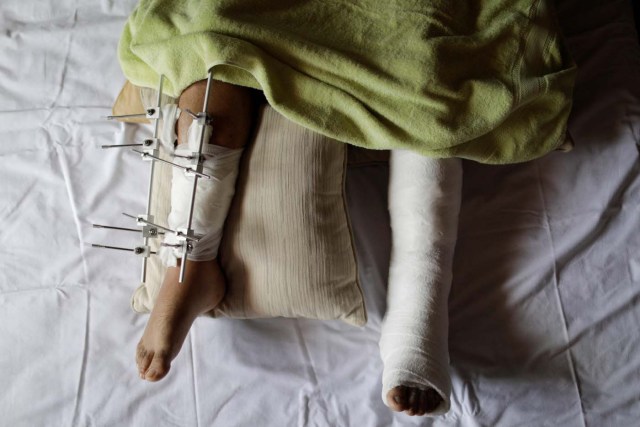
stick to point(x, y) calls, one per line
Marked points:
point(176, 308)
point(413, 401)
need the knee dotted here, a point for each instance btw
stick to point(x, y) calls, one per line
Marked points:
point(230, 132)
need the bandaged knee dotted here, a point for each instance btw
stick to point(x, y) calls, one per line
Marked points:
point(212, 201)
point(424, 203)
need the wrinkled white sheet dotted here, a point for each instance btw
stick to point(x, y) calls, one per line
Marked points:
point(545, 308)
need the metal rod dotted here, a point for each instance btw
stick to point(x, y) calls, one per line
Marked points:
point(156, 124)
point(115, 228)
point(195, 178)
point(205, 107)
point(126, 116)
point(122, 228)
point(112, 247)
point(185, 168)
point(120, 145)
point(119, 248)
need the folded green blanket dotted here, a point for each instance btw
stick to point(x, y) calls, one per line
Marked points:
point(486, 80)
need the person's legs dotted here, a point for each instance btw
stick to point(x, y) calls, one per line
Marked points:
point(424, 201)
point(178, 304)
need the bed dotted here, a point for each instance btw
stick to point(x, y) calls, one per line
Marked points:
point(544, 308)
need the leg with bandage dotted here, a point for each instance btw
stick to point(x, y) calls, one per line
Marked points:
point(424, 202)
point(231, 113)
point(213, 198)
point(224, 139)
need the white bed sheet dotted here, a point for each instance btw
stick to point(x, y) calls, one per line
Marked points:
point(545, 308)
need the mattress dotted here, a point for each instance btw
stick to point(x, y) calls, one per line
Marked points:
point(544, 308)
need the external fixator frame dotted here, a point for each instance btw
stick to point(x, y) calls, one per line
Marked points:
point(149, 151)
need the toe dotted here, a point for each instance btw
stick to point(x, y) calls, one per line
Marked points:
point(432, 400)
point(412, 399)
point(421, 403)
point(143, 359)
point(158, 368)
point(396, 398)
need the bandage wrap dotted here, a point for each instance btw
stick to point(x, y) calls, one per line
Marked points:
point(168, 119)
point(213, 196)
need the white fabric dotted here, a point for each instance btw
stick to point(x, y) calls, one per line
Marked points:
point(424, 202)
point(213, 197)
point(543, 309)
point(167, 125)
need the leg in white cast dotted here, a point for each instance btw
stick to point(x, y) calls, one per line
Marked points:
point(424, 203)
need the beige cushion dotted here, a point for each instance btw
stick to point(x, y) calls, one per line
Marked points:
point(287, 248)
point(129, 102)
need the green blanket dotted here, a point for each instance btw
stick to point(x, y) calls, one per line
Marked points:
point(486, 80)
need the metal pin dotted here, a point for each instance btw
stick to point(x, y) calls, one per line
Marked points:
point(144, 221)
point(111, 247)
point(140, 250)
point(121, 145)
point(192, 114)
point(208, 119)
point(185, 168)
point(134, 250)
point(122, 228)
point(115, 228)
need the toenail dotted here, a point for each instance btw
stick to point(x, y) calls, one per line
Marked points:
point(397, 399)
point(150, 374)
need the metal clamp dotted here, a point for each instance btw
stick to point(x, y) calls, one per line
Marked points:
point(154, 113)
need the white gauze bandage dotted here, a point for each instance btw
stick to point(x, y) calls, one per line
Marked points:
point(213, 197)
point(424, 203)
point(168, 119)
